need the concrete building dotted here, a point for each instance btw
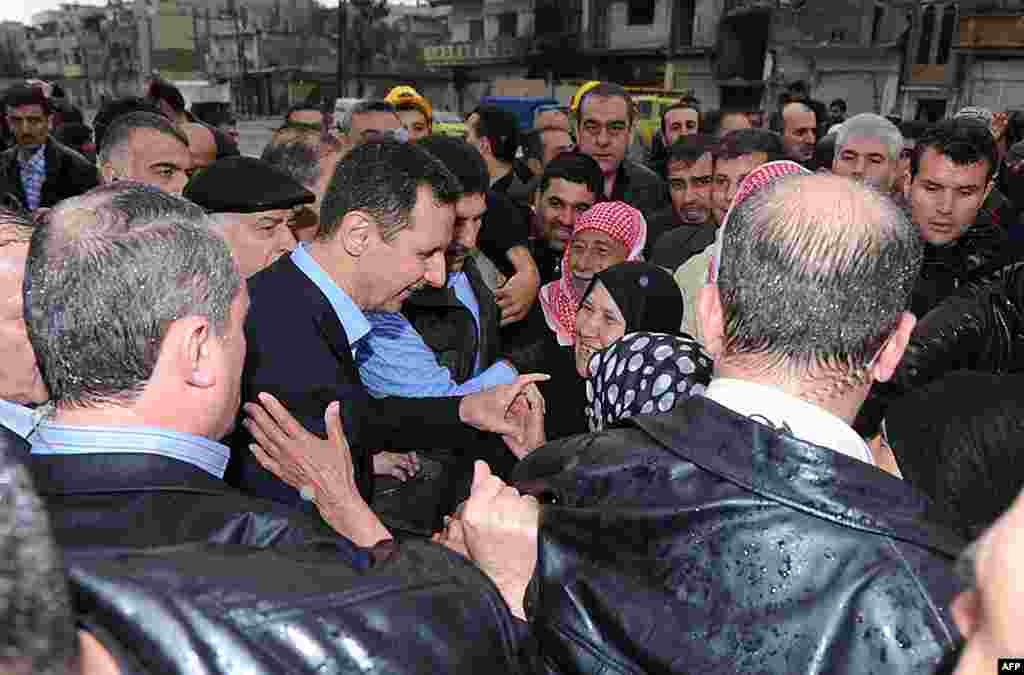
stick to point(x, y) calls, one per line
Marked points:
point(989, 53)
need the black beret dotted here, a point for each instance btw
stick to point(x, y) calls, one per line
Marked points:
point(245, 185)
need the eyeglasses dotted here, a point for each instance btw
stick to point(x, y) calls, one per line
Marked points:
point(615, 128)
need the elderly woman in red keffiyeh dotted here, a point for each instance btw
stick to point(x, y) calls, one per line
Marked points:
point(606, 234)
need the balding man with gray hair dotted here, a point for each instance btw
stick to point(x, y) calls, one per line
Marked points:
point(761, 534)
point(868, 149)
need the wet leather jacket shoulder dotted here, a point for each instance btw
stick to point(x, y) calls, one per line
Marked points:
point(219, 609)
point(700, 541)
point(981, 327)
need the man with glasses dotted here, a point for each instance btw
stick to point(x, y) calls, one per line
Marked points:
point(39, 171)
point(604, 128)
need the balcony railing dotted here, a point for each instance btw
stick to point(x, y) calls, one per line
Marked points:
point(472, 53)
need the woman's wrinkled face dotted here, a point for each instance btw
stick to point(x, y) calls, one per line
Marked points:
point(599, 324)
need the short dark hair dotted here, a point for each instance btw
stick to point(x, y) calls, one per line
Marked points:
point(501, 128)
point(839, 103)
point(39, 634)
point(111, 110)
point(748, 141)
point(107, 273)
point(963, 141)
point(462, 159)
point(119, 133)
point(162, 90)
point(381, 178)
point(913, 129)
point(20, 95)
point(609, 90)
point(574, 167)
point(810, 286)
point(690, 148)
point(679, 106)
point(296, 158)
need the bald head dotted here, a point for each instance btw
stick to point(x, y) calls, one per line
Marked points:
point(202, 144)
point(816, 272)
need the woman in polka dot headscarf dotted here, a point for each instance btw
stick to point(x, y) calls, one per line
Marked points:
point(644, 373)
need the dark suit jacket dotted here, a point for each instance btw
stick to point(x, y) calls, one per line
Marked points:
point(299, 352)
point(68, 174)
point(108, 501)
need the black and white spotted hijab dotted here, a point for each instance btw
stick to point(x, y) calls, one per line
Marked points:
point(644, 373)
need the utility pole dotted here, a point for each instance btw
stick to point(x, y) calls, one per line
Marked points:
point(342, 29)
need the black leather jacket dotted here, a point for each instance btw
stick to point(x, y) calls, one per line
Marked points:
point(981, 251)
point(701, 541)
point(981, 328)
point(219, 609)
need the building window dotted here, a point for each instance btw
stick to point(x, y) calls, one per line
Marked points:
point(946, 35)
point(924, 47)
point(641, 12)
point(476, 30)
point(507, 24)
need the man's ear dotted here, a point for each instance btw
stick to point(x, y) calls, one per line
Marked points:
point(892, 351)
point(711, 319)
point(356, 233)
point(188, 351)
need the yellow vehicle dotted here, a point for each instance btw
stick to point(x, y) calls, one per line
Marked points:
point(449, 124)
point(648, 115)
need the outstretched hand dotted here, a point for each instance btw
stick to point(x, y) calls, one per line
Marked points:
point(321, 468)
point(489, 410)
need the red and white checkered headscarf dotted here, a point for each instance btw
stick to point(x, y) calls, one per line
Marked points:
point(558, 299)
point(755, 181)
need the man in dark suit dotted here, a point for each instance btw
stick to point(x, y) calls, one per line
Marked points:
point(39, 171)
point(385, 223)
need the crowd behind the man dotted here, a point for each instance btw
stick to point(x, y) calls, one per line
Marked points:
point(383, 400)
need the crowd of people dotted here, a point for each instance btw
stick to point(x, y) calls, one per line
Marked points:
point(383, 400)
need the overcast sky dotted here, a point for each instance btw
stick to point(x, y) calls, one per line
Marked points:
point(22, 10)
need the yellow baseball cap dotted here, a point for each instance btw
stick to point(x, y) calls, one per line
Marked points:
point(581, 92)
point(403, 93)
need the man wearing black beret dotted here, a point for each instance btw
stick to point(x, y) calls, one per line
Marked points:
point(252, 203)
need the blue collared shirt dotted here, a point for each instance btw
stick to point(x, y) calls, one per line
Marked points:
point(352, 319)
point(19, 419)
point(459, 282)
point(60, 439)
point(399, 363)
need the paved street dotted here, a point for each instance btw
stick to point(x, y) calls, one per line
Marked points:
point(254, 134)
